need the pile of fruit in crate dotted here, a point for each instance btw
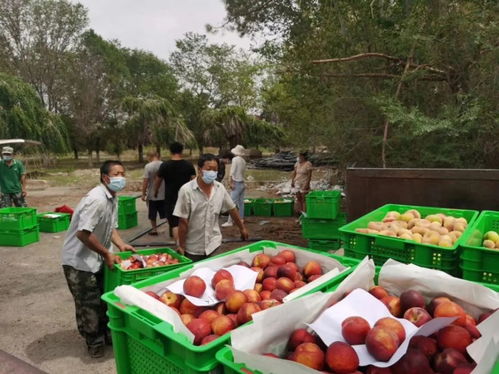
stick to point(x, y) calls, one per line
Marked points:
point(491, 240)
point(443, 352)
point(277, 277)
point(150, 261)
point(437, 229)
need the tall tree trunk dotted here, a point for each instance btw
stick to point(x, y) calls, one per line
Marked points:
point(97, 149)
point(90, 161)
point(200, 149)
point(140, 149)
point(75, 153)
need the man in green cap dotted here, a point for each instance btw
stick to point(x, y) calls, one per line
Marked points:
point(12, 180)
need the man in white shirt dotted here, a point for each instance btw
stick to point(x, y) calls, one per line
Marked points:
point(87, 247)
point(156, 203)
point(237, 186)
point(199, 205)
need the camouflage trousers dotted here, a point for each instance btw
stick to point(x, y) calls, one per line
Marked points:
point(91, 317)
point(9, 199)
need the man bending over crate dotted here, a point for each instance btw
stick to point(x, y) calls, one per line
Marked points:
point(87, 247)
point(198, 207)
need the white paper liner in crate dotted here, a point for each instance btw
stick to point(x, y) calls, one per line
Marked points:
point(250, 342)
point(157, 308)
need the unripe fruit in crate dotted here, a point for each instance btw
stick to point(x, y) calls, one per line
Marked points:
point(491, 235)
point(489, 244)
point(194, 286)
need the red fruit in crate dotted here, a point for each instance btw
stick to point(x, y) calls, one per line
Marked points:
point(261, 260)
point(451, 309)
point(153, 294)
point(435, 302)
point(269, 303)
point(252, 296)
point(424, 344)
point(393, 305)
point(258, 287)
point(186, 307)
point(278, 260)
point(471, 327)
point(286, 271)
point(411, 299)
point(200, 328)
point(393, 325)
point(312, 268)
point(342, 358)
point(299, 284)
point(453, 336)
point(285, 284)
point(382, 343)
point(355, 329)
point(448, 360)
point(288, 254)
point(378, 292)
point(413, 362)
point(186, 318)
point(309, 354)
point(235, 301)
point(223, 289)
point(313, 277)
point(246, 311)
point(233, 317)
point(376, 370)
point(278, 294)
point(260, 272)
point(418, 316)
point(269, 284)
point(209, 315)
point(219, 275)
point(265, 295)
point(270, 272)
point(194, 286)
point(300, 336)
point(171, 299)
point(222, 325)
point(486, 315)
point(220, 308)
point(464, 369)
point(209, 339)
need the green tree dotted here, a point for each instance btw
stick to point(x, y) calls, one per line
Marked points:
point(22, 115)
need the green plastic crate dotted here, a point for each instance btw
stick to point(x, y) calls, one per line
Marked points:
point(54, 224)
point(324, 245)
point(283, 207)
point(19, 238)
point(477, 262)
point(248, 207)
point(381, 248)
point(12, 219)
point(143, 343)
point(263, 207)
point(118, 276)
point(126, 221)
point(313, 228)
point(225, 357)
point(126, 204)
point(323, 204)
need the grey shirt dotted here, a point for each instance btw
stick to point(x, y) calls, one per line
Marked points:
point(237, 169)
point(203, 234)
point(96, 213)
point(150, 171)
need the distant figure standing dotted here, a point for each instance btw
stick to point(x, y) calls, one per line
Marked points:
point(223, 160)
point(175, 173)
point(301, 178)
point(12, 180)
point(155, 205)
point(237, 172)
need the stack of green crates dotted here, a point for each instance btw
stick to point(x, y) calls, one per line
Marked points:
point(283, 207)
point(249, 205)
point(323, 219)
point(127, 212)
point(18, 227)
point(53, 222)
point(263, 207)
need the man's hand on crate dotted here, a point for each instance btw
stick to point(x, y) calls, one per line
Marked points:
point(110, 259)
point(127, 247)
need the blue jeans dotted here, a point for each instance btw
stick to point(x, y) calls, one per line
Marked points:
point(237, 195)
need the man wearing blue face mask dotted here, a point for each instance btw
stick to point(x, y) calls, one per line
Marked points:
point(12, 180)
point(87, 248)
point(199, 205)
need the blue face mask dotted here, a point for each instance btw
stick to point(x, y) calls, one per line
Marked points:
point(116, 184)
point(209, 176)
point(7, 158)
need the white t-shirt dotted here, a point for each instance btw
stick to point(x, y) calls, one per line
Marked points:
point(237, 169)
point(150, 171)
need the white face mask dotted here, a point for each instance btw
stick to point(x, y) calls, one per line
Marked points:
point(117, 184)
point(7, 157)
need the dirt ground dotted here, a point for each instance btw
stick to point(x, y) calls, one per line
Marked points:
point(37, 311)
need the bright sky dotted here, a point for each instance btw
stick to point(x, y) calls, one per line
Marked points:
point(154, 25)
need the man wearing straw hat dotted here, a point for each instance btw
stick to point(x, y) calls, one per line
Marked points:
point(237, 171)
point(12, 180)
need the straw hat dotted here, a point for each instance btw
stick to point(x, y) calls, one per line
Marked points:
point(238, 150)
